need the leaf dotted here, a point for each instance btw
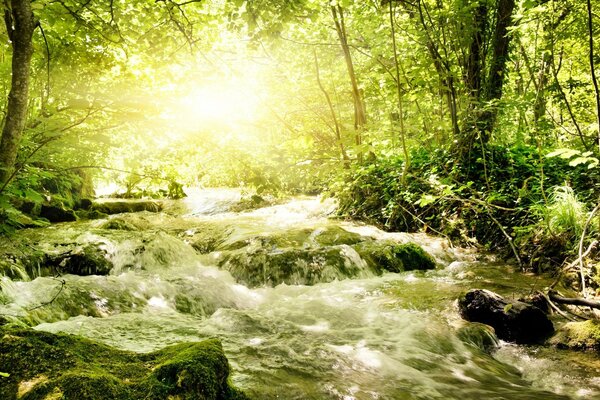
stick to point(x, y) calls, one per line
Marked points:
point(508, 307)
point(579, 160)
point(561, 153)
point(4, 374)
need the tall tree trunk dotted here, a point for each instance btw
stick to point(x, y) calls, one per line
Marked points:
point(482, 118)
point(360, 114)
point(20, 24)
point(593, 67)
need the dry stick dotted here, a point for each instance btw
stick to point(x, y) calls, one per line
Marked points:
point(62, 286)
point(572, 264)
point(555, 307)
point(587, 223)
point(575, 301)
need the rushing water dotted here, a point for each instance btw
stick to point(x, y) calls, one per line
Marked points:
point(396, 336)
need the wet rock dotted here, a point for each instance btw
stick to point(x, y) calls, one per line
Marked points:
point(119, 224)
point(479, 335)
point(395, 257)
point(91, 214)
point(47, 366)
point(578, 336)
point(513, 321)
point(85, 204)
point(118, 207)
point(57, 213)
point(77, 260)
point(263, 267)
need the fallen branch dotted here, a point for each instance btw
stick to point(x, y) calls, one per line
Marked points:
point(574, 301)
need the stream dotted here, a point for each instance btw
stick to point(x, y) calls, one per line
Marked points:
point(333, 330)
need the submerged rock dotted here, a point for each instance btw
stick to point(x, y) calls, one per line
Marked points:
point(118, 207)
point(479, 335)
point(513, 321)
point(294, 266)
point(395, 257)
point(578, 336)
point(47, 366)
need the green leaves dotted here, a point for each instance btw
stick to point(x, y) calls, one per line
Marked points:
point(576, 157)
point(4, 375)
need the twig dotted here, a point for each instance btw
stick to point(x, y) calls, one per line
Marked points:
point(62, 286)
point(575, 301)
point(554, 306)
point(587, 223)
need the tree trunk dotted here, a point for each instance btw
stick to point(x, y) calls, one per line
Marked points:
point(360, 114)
point(20, 24)
point(482, 118)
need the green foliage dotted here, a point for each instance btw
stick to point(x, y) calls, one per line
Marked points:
point(565, 213)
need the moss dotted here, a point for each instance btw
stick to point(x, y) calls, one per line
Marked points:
point(47, 366)
point(292, 266)
point(578, 336)
point(118, 224)
point(118, 207)
point(304, 238)
point(394, 257)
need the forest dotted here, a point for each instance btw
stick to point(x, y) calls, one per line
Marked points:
point(293, 199)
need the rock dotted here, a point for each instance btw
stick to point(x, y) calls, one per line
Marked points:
point(262, 267)
point(395, 257)
point(118, 224)
point(513, 321)
point(578, 336)
point(88, 260)
point(91, 214)
point(42, 365)
point(479, 335)
point(57, 213)
point(85, 204)
point(123, 206)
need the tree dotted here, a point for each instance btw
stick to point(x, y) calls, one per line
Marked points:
point(20, 25)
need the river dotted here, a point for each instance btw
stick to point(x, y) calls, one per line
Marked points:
point(360, 336)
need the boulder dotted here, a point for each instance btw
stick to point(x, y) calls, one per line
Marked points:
point(513, 321)
point(124, 206)
point(578, 336)
point(266, 267)
point(42, 365)
point(57, 213)
point(394, 257)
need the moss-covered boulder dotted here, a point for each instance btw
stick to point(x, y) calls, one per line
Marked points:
point(44, 366)
point(119, 224)
point(264, 267)
point(578, 336)
point(126, 206)
point(479, 335)
point(301, 238)
point(395, 257)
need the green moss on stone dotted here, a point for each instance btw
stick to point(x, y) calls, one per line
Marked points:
point(48, 366)
point(394, 257)
point(578, 336)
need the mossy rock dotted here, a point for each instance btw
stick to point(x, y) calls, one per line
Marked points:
point(301, 238)
point(578, 336)
point(57, 213)
point(90, 214)
point(46, 366)
point(394, 257)
point(479, 335)
point(119, 207)
point(264, 267)
point(119, 224)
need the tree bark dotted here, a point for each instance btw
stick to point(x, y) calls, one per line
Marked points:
point(360, 114)
point(20, 25)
